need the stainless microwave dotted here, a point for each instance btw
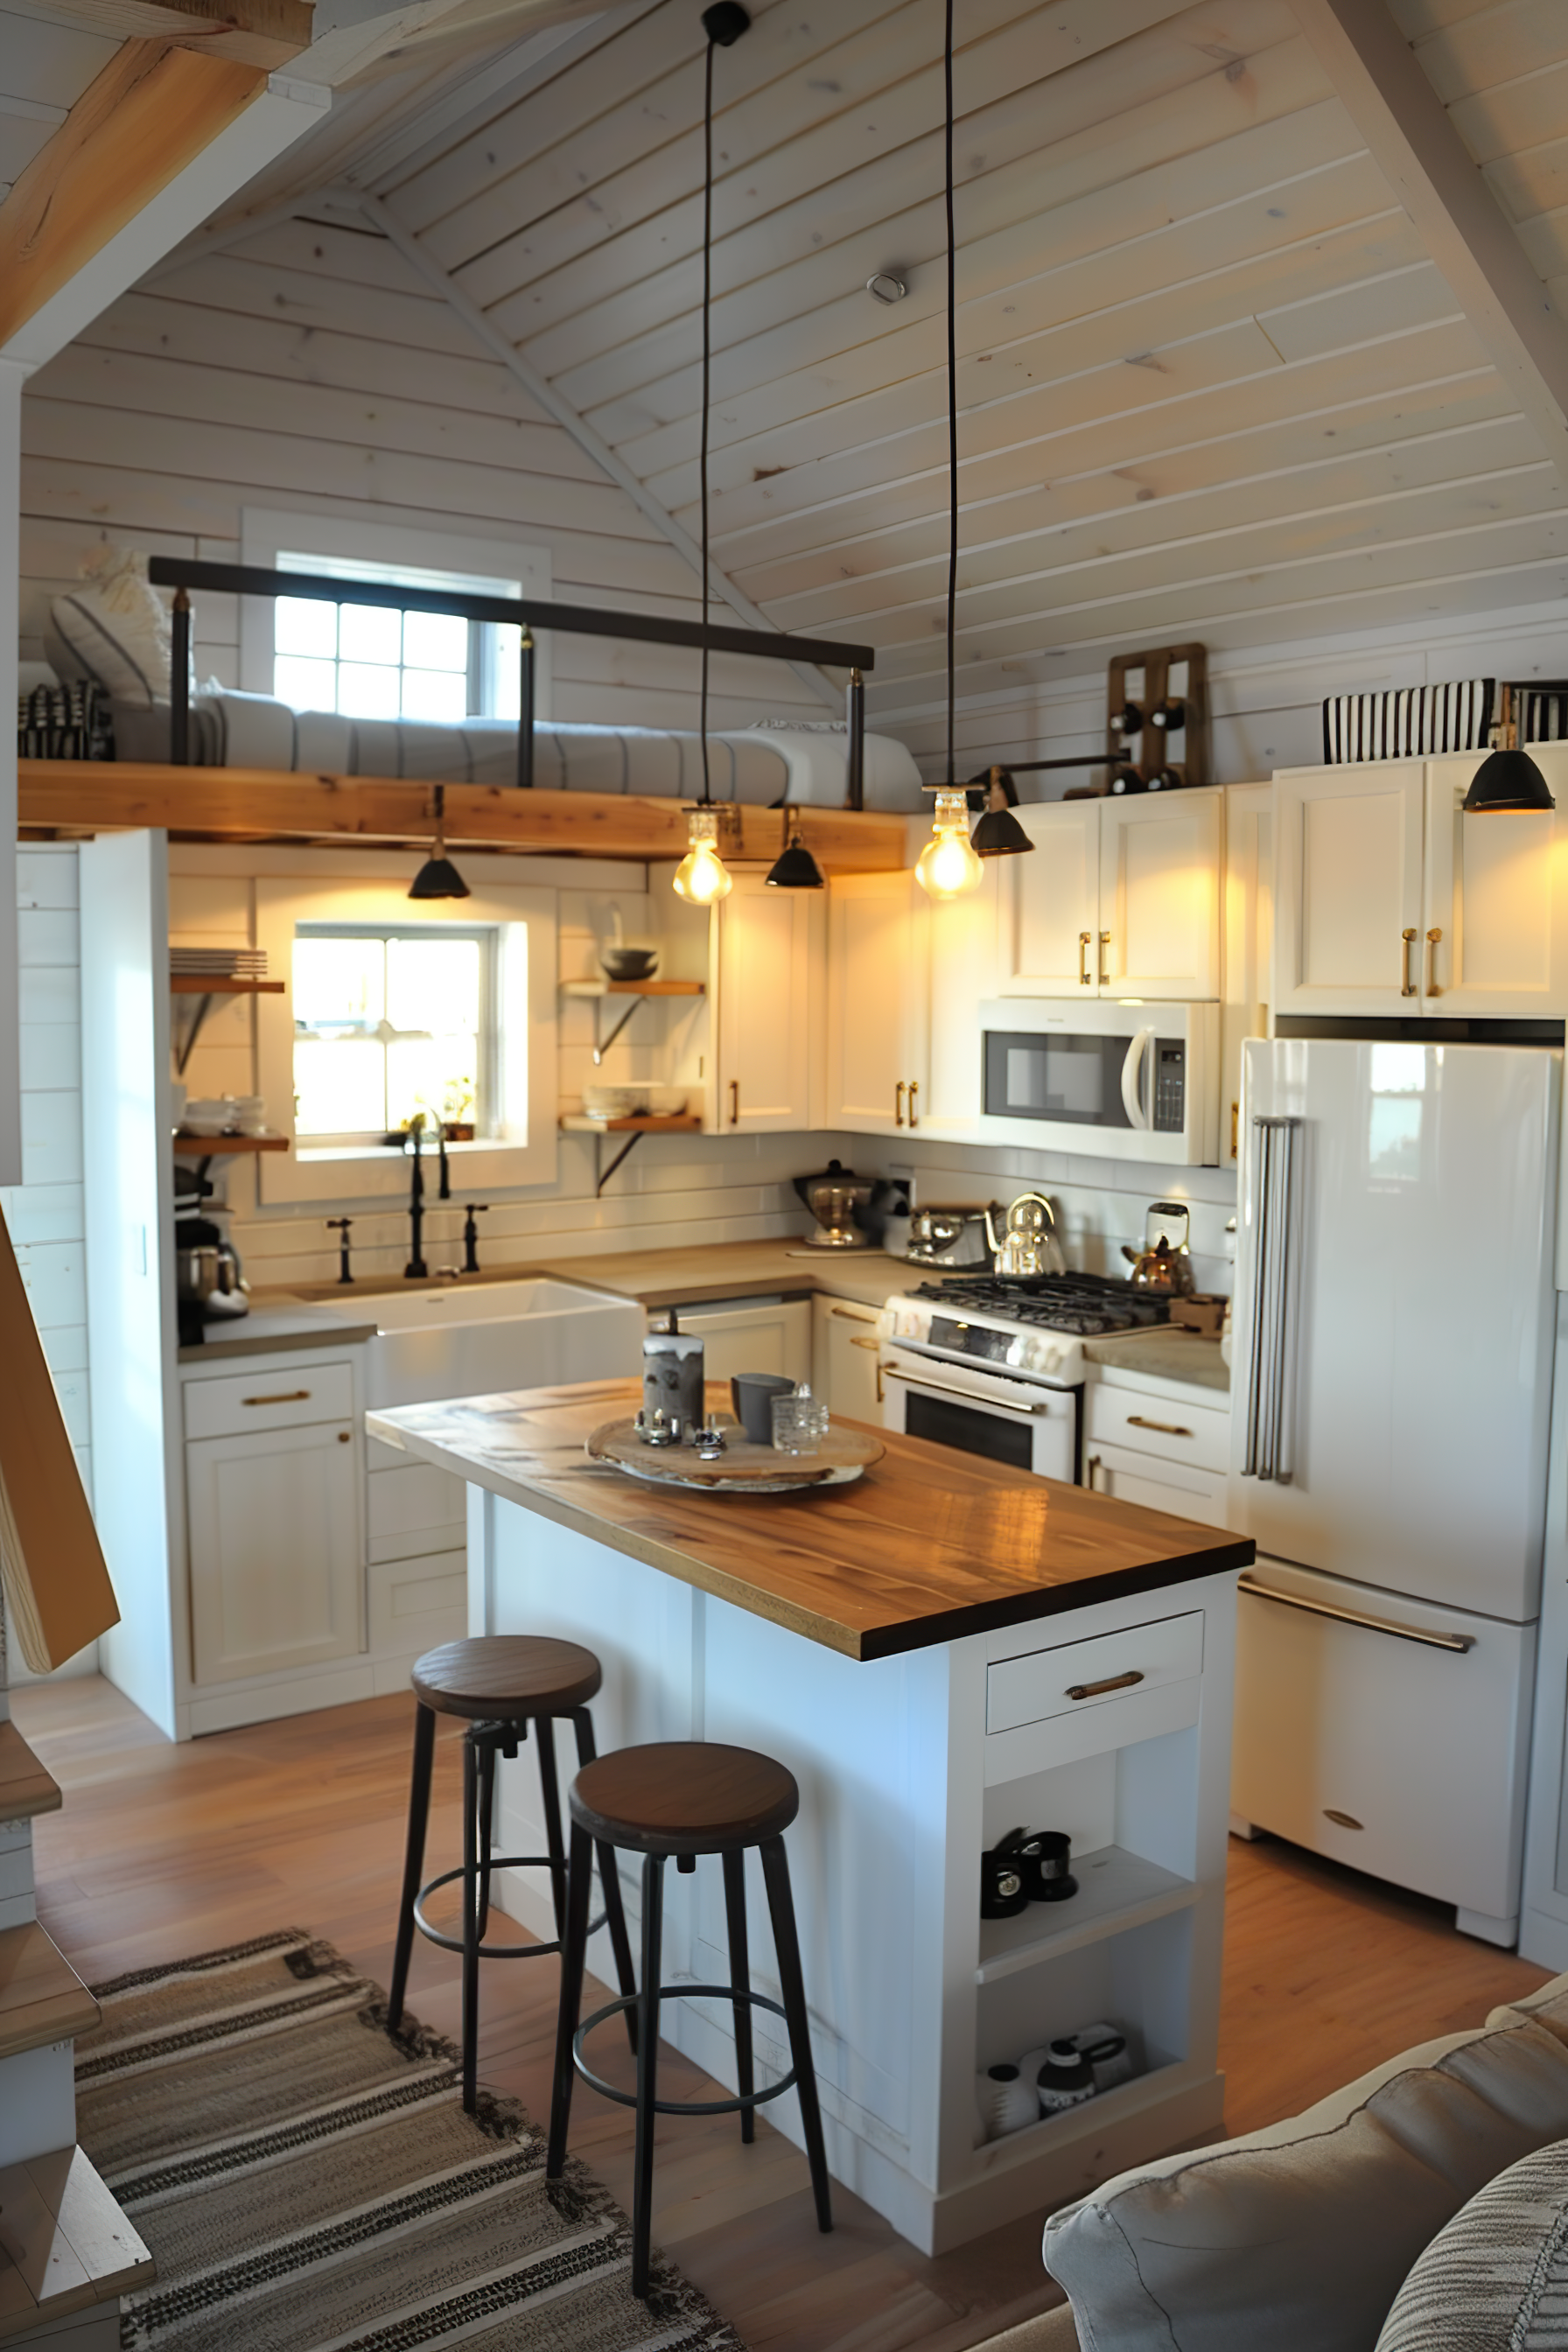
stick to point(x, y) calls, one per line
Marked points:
point(1135, 1081)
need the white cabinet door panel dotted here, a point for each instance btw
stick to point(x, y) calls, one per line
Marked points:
point(764, 1003)
point(875, 965)
point(844, 1359)
point(1159, 895)
point(1492, 936)
point(1051, 897)
point(1349, 865)
point(761, 1339)
point(960, 970)
point(275, 1551)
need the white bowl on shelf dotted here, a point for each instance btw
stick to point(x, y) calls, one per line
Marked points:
point(609, 1102)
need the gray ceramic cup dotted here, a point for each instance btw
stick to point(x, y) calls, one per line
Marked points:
point(752, 1394)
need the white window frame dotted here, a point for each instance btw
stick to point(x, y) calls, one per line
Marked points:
point(488, 1039)
point(524, 1149)
point(266, 531)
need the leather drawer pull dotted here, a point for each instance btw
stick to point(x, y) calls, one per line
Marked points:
point(1098, 1690)
point(1165, 1428)
point(289, 1396)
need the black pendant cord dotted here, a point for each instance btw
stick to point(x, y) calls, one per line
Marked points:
point(952, 406)
point(707, 366)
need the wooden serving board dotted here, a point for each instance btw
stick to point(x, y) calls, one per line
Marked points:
point(742, 1465)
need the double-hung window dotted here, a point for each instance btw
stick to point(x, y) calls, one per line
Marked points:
point(373, 661)
point(390, 1023)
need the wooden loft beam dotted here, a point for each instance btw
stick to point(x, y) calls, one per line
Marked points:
point(1468, 235)
point(64, 797)
point(245, 32)
point(149, 113)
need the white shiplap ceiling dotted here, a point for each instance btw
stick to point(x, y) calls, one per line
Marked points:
point(45, 66)
point(1211, 385)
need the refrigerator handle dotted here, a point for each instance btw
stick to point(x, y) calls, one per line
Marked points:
point(1459, 1642)
point(1270, 1448)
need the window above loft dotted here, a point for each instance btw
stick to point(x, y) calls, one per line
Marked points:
point(391, 1025)
point(371, 661)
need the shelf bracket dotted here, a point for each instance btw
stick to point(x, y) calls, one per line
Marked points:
point(601, 1050)
point(603, 1174)
point(188, 1028)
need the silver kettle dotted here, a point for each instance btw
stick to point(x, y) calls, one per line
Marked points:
point(1028, 1244)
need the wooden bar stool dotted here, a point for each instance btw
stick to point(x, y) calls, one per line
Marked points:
point(684, 1798)
point(499, 1684)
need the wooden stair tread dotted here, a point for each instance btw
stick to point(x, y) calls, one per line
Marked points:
point(64, 2244)
point(26, 1789)
point(42, 1999)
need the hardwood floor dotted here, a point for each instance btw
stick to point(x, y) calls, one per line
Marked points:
point(161, 1851)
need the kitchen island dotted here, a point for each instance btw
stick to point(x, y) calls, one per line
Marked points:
point(941, 1652)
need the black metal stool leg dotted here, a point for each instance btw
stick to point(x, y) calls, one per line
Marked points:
point(470, 1923)
point(579, 1879)
point(486, 1829)
point(550, 1789)
point(787, 1944)
point(648, 2053)
point(610, 1880)
point(413, 1859)
point(740, 1977)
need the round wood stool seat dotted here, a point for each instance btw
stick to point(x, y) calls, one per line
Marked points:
point(684, 1797)
point(503, 1677)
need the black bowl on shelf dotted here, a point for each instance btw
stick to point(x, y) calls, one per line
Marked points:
point(629, 964)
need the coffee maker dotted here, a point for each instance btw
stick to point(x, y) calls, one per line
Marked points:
point(209, 1280)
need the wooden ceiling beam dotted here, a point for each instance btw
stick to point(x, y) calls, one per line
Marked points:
point(246, 32)
point(1387, 94)
point(66, 797)
point(152, 111)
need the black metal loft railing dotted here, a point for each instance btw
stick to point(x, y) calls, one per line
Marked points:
point(574, 620)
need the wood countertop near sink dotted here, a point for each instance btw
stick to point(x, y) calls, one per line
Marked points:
point(662, 1277)
point(929, 1545)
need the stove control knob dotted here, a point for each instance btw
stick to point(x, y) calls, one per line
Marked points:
point(1044, 1354)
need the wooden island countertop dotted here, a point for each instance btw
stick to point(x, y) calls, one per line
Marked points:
point(928, 1545)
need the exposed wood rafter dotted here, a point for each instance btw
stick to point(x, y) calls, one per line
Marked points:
point(554, 405)
point(246, 32)
point(152, 111)
point(1465, 230)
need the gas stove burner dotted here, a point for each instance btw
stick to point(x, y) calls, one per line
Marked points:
point(1086, 1304)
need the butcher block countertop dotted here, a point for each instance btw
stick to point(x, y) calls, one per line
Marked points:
point(665, 1278)
point(928, 1545)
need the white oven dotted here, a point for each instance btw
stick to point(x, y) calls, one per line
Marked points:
point(1137, 1080)
point(1002, 1416)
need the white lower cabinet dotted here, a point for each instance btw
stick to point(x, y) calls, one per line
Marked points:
point(1157, 1446)
point(275, 1543)
point(1157, 1485)
point(749, 1335)
point(844, 1359)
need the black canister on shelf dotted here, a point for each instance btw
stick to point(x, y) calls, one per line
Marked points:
point(1067, 2078)
point(1004, 1890)
point(1047, 1858)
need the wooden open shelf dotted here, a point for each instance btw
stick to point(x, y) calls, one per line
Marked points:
point(634, 988)
point(218, 1147)
point(199, 983)
point(686, 1122)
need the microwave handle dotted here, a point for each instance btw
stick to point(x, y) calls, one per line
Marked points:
point(1132, 1078)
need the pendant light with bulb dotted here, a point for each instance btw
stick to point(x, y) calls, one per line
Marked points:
point(702, 878)
point(947, 866)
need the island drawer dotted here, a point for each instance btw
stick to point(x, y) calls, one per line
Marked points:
point(1078, 1676)
point(263, 1399)
point(1181, 1433)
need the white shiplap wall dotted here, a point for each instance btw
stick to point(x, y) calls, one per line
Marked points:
point(43, 1214)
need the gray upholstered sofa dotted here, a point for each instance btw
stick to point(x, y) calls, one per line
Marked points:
point(1300, 2237)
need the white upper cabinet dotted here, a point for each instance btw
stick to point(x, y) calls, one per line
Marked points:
point(1391, 901)
point(961, 969)
point(877, 1044)
point(1249, 942)
point(1348, 848)
point(1159, 895)
point(768, 992)
point(1493, 921)
point(1121, 898)
point(1051, 902)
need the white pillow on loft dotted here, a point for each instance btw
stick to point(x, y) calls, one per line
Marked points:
point(116, 626)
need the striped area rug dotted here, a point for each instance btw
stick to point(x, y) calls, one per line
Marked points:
point(307, 2184)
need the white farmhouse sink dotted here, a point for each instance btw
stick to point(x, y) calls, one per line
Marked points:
point(472, 1341)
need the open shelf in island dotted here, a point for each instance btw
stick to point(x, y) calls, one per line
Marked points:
point(1116, 1890)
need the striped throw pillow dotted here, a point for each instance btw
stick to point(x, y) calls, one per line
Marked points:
point(1496, 2278)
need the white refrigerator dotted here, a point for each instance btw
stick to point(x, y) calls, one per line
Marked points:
point(1390, 1371)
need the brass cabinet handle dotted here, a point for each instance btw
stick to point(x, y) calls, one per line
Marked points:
point(1235, 1124)
point(1165, 1428)
point(848, 1314)
point(914, 1097)
point(1085, 941)
point(1406, 986)
point(899, 1104)
point(1091, 1466)
point(289, 1396)
point(865, 1343)
point(1432, 940)
point(734, 1102)
point(345, 1437)
point(1104, 943)
point(1098, 1690)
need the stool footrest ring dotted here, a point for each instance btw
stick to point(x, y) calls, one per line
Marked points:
point(735, 2106)
point(494, 1952)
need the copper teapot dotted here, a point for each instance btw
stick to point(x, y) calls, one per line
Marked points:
point(1164, 1262)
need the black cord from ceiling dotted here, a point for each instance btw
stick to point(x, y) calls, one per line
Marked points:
point(723, 23)
point(952, 405)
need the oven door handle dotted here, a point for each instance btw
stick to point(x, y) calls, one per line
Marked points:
point(1133, 1076)
point(951, 1388)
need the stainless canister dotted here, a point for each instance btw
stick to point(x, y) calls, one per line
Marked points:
point(672, 1379)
